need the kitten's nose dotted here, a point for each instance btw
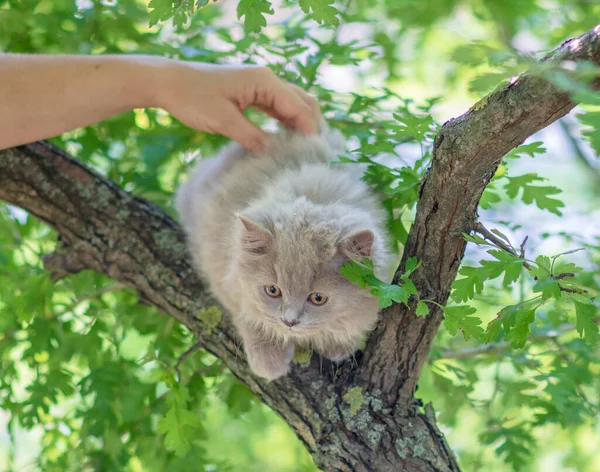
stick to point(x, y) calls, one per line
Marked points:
point(290, 323)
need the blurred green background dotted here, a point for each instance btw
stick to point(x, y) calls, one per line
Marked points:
point(87, 371)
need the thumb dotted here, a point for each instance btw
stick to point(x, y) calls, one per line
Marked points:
point(237, 127)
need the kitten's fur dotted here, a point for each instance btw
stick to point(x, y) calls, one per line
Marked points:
point(290, 219)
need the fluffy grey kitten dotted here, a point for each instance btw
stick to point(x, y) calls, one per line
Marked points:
point(269, 232)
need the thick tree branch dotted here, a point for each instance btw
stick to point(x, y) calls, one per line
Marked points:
point(362, 418)
point(467, 152)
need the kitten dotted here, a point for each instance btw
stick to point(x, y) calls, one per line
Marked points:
point(269, 232)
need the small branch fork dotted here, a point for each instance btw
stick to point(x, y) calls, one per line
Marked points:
point(184, 356)
point(498, 242)
point(483, 231)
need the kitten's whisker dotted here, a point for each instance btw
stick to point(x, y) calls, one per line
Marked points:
point(238, 348)
point(354, 361)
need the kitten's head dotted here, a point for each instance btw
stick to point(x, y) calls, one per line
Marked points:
point(287, 264)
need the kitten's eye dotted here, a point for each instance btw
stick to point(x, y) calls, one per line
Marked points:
point(317, 298)
point(273, 291)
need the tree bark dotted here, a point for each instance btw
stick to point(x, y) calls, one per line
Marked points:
point(362, 416)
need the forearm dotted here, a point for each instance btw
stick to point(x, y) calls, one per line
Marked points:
point(43, 96)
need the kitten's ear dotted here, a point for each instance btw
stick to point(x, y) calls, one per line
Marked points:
point(255, 238)
point(359, 245)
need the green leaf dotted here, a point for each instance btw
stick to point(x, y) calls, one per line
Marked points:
point(486, 82)
point(412, 126)
point(517, 336)
point(515, 443)
point(397, 230)
point(505, 263)
point(488, 198)
point(545, 264)
point(422, 309)
point(412, 264)
point(474, 238)
point(322, 11)
point(566, 268)
point(179, 425)
point(465, 288)
point(587, 316)
point(492, 331)
point(592, 131)
point(362, 275)
point(507, 318)
point(161, 10)
point(474, 277)
point(390, 293)
point(459, 318)
point(530, 149)
point(512, 272)
point(533, 193)
point(581, 298)
point(472, 54)
point(408, 285)
point(541, 270)
point(549, 288)
point(355, 272)
point(254, 12)
point(239, 399)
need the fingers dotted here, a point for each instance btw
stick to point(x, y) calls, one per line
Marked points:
point(234, 125)
point(310, 101)
point(317, 118)
point(212, 97)
point(289, 104)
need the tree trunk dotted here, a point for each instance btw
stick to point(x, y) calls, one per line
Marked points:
point(362, 415)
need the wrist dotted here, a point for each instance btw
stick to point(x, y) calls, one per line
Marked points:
point(174, 82)
point(145, 80)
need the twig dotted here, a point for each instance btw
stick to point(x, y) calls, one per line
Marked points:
point(479, 228)
point(522, 248)
point(503, 347)
point(184, 356)
point(470, 352)
point(564, 275)
point(92, 296)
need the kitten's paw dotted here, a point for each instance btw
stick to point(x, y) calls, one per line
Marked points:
point(270, 371)
point(271, 362)
point(337, 353)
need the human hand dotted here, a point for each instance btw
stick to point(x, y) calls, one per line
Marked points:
point(212, 98)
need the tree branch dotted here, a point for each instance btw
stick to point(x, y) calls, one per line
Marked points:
point(467, 152)
point(104, 228)
point(487, 234)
